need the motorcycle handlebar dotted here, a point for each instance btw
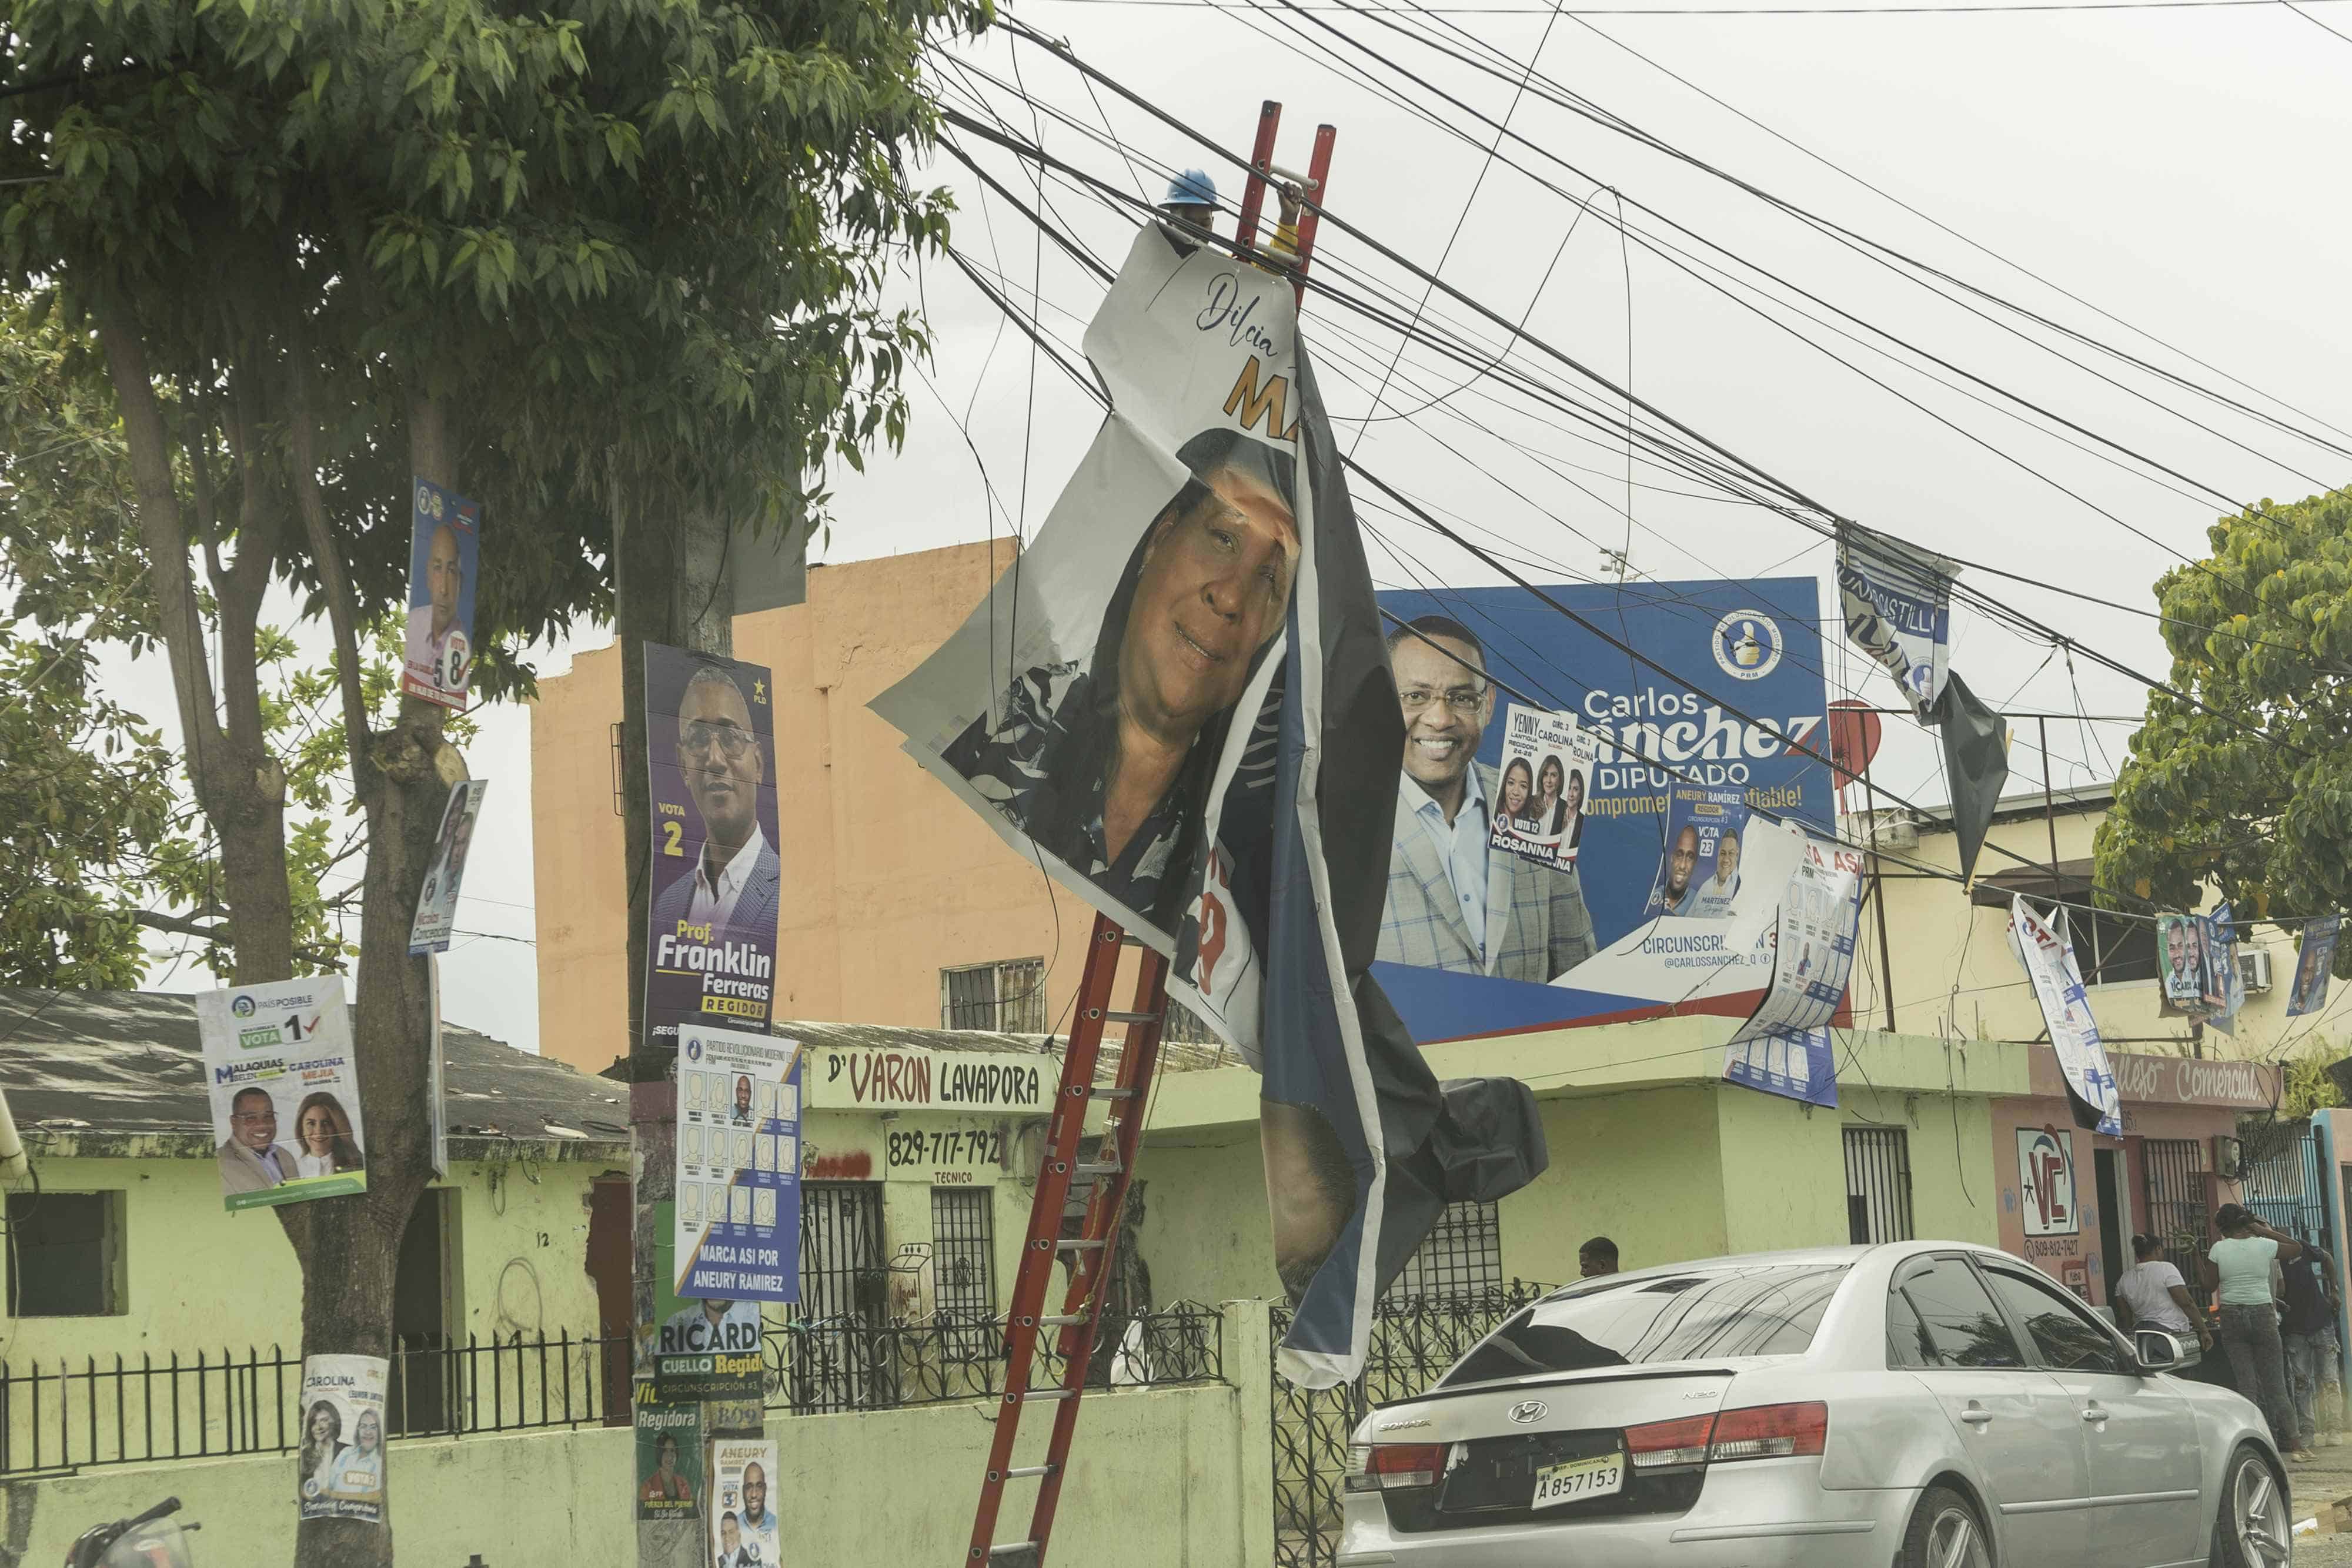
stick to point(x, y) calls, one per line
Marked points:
point(169, 1505)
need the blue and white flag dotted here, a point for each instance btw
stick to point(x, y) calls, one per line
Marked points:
point(1898, 609)
point(2049, 960)
point(2314, 961)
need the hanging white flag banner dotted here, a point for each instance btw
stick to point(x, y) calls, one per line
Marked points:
point(1898, 609)
point(2049, 960)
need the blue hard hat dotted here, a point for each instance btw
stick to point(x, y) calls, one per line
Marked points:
point(1193, 188)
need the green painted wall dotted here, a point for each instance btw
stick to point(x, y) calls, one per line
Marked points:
point(199, 1277)
point(1639, 1167)
point(1205, 1233)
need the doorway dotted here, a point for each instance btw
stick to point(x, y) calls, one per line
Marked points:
point(2114, 1219)
point(611, 1217)
point(425, 1369)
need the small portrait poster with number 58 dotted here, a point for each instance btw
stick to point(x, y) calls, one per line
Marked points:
point(444, 564)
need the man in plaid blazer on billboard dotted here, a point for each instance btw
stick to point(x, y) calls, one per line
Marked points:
point(1453, 901)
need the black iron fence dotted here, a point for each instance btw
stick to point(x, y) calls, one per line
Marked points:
point(844, 1364)
point(60, 1415)
point(119, 1411)
point(1412, 1342)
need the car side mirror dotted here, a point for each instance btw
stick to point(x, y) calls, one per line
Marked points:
point(2158, 1350)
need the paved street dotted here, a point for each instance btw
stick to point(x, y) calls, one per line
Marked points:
point(2316, 1486)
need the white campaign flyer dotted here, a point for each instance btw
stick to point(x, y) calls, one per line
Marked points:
point(1546, 777)
point(739, 1161)
point(285, 1092)
point(743, 1532)
point(436, 902)
point(1821, 910)
point(340, 1466)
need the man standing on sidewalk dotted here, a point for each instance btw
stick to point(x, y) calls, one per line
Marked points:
point(2308, 1329)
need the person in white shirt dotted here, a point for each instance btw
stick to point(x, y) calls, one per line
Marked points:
point(2152, 1294)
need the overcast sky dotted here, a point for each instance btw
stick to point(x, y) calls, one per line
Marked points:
point(2177, 168)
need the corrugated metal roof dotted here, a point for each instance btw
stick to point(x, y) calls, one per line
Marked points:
point(129, 1062)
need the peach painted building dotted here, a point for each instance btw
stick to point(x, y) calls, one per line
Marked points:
point(899, 906)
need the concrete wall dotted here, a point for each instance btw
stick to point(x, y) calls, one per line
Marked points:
point(1177, 1477)
point(887, 878)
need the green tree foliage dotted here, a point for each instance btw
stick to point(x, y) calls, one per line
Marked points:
point(605, 263)
point(2247, 786)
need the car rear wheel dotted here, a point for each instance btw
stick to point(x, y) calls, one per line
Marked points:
point(2253, 1530)
point(1946, 1534)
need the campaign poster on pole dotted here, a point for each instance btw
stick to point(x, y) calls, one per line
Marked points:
point(436, 902)
point(2315, 961)
point(2180, 948)
point(2048, 958)
point(1898, 608)
point(669, 1457)
point(744, 1528)
point(2225, 985)
point(699, 1350)
point(739, 1158)
point(1698, 875)
point(285, 1091)
point(1547, 762)
point(445, 562)
point(340, 1466)
point(717, 876)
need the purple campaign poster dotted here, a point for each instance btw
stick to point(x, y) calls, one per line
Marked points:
point(710, 948)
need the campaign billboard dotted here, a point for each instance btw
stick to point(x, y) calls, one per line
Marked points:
point(717, 874)
point(1688, 766)
point(445, 571)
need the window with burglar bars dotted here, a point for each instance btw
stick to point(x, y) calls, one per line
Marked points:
point(1008, 997)
point(963, 1251)
point(1461, 1258)
point(1877, 1185)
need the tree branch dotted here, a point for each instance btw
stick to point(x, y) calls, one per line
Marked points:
point(164, 535)
point(182, 926)
point(311, 501)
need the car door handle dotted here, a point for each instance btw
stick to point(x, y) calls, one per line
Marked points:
point(2095, 1413)
point(1976, 1418)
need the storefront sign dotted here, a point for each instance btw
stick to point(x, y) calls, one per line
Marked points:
point(925, 1080)
point(2174, 1081)
point(945, 1154)
point(2045, 1179)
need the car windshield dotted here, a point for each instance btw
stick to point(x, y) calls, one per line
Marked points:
point(1769, 1308)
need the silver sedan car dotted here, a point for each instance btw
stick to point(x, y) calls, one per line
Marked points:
point(1928, 1405)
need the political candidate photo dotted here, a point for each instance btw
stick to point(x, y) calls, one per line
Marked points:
point(445, 565)
point(717, 864)
point(1104, 759)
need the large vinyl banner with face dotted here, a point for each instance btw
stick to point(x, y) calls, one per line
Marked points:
point(1678, 869)
point(716, 877)
point(1179, 701)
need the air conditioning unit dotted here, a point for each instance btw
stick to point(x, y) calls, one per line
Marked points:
point(2254, 969)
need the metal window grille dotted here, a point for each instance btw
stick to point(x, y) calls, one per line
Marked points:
point(1008, 997)
point(2172, 1172)
point(1461, 1259)
point(963, 1250)
point(66, 1251)
point(1877, 1185)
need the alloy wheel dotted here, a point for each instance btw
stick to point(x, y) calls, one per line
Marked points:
point(1954, 1541)
point(2258, 1515)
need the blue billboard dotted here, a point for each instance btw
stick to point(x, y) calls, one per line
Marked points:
point(1664, 906)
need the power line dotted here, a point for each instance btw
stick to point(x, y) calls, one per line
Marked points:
point(1759, 10)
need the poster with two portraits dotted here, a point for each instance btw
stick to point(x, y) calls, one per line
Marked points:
point(284, 1084)
point(1180, 702)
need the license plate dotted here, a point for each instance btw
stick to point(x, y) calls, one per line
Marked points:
point(1601, 1475)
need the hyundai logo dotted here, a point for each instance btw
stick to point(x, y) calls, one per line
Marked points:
point(1529, 1410)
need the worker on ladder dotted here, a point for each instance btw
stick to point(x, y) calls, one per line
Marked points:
point(1190, 205)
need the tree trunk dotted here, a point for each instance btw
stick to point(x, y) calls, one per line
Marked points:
point(350, 1247)
point(670, 587)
